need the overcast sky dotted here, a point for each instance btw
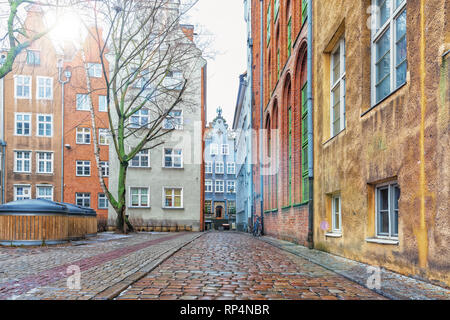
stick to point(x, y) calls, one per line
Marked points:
point(224, 21)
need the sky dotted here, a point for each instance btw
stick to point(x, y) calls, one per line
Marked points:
point(223, 21)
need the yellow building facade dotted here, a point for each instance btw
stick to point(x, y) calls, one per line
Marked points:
point(382, 134)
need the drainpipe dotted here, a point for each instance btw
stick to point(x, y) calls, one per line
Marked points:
point(3, 144)
point(68, 75)
point(250, 119)
point(310, 127)
point(261, 181)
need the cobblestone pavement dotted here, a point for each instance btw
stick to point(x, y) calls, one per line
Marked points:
point(104, 261)
point(229, 265)
point(392, 285)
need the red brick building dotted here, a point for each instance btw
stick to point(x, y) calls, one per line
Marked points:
point(285, 140)
point(81, 182)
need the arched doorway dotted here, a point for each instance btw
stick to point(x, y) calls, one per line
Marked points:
point(219, 212)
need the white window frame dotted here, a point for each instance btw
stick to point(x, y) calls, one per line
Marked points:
point(219, 186)
point(138, 114)
point(84, 164)
point(140, 197)
point(173, 122)
point(44, 186)
point(139, 156)
point(219, 167)
point(225, 149)
point(34, 61)
point(102, 196)
point(83, 131)
point(173, 156)
point(94, 69)
point(83, 198)
point(231, 183)
point(45, 162)
point(377, 33)
point(208, 185)
point(23, 161)
point(104, 166)
point(25, 186)
point(38, 86)
point(45, 124)
point(102, 106)
point(391, 194)
point(173, 197)
point(334, 83)
point(30, 91)
point(208, 164)
point(214, 149)
point(103, 133)
point(23, 122)
point(87, 102)
point(231, 165)
point(333, 214)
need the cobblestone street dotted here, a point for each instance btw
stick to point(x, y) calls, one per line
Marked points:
point(228, 266)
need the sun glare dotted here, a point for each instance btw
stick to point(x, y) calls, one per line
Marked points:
point(66, 27)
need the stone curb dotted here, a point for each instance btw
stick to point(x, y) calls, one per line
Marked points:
point(273, 242)
point(116, 289)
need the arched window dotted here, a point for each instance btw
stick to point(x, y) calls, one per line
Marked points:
point(289, 140)
point(268, 163)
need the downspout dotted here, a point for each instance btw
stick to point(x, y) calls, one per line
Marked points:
point(310, 127)
point(261, 181)
point(250, 138)
point(63, 82)
point(2, 142)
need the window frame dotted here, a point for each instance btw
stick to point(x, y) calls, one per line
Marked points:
point(231, 165)
point(140, 206)
point(45, 162)
point(208, 164)
point(99, 197)
point(391, 186)
point(225, 149)
point(221, 165)
point(229, 183)
point(100, 98)
point(38, 186)
point(87, 102)
point(83, 198)
point(33, 63)
point(23, 121)
point(38, 97)
point(138, 115)
point(30, 86)
point(84, 133)
point(208, 183)
point(85, 163)
point(172, 156)
point(96, 69)
point(139, 156)
point(214, 151)
point(377, 33)
point(103, 132)
point(25, 186)
point(45, 123)
point(164, 206)
point(30, 159)
point(216, 184)
point(167, 125)
point(341, 83)
point(105, 168)
point(333, 214)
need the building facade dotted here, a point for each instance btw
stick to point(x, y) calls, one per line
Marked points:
point(382, 166)
point(280, 118)
point(220, 175)
point(81, 180)
point(33, 119)
point(242, 126)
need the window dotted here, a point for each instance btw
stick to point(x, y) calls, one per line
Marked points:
point(141, 160)
point(208, 167)
point(208, 186)
point(44, 192)
point(219, 186)
point(83, 168)
point(388, 48)
point(231, 186)
point(277, 9)
point(83, 102)
point(44, 88)
point(304, 10)
point(337, 111)
point(44, 125)
point(225, 149)
point(94, 70)
point(102, 104)
point(22, 161)
point(23, 124)
point(219, 167)
point(278, 63)
point(83, 199)
point(173, 158)
point(387, 197)
point(174, 120)
point(103, 137)
point(142, 80)
point(33, 57)
point(140, 118)
point(102, 201)
point(22, 86)
point(44, 162)
point(289, 35)
point(208, 204)
point(214, 149)
point(336, 214)
point(139, 198)
point(269, 12)
point(231, 168)
point(173, 198)
point(174, 80)
point(305, 171)
point(83, 135)
point(104, 167)
point(231, 207)
point(22, 192)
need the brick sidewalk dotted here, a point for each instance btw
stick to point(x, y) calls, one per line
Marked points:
point(230, 265)
point(393, 285)
point(41, 272)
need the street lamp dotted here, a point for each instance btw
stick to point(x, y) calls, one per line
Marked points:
point(68, 75)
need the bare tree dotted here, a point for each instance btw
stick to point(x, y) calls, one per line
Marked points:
point(148, 65)
point(16, 37)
